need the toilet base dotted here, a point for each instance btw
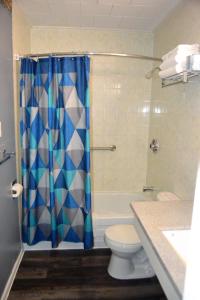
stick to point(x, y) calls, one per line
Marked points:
point(134, 267)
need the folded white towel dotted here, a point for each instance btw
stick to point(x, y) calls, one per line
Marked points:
point(182, 50)
point(172, 71)
point(171, 62)
point(195, 63)
point(167, 196)
point(177, 58)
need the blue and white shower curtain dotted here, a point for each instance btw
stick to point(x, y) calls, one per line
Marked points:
point(54, 128)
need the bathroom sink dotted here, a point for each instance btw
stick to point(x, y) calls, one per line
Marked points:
point(179, 239)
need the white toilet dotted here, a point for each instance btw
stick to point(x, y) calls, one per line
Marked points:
point(128, 259)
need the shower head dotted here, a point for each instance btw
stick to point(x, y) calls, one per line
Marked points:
point(149, 74)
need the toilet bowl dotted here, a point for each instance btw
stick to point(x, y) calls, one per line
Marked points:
point(128, 259)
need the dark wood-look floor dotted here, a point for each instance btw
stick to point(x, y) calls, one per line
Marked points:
point(76, 274)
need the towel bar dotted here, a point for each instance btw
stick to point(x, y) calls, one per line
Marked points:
point(5, 158)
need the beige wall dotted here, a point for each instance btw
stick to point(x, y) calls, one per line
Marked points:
point(21, 45)
point(120, 100)
point(21, 31)
point(177, 126)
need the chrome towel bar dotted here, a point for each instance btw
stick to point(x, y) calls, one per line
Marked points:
point(5, 158)
point(109, 148)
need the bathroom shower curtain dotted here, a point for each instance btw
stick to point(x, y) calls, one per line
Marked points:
point(54, 128)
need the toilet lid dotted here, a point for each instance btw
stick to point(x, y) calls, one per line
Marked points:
point(124, 234)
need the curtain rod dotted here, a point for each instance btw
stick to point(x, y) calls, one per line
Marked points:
point(136, 56)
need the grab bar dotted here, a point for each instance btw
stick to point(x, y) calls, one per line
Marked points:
point(109, 148)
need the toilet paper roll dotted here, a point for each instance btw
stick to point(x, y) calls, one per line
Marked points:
point(16, 189)
point(166, 196)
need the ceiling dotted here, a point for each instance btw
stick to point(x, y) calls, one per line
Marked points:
point(116, 14)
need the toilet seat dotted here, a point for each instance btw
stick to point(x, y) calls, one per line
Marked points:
point(123, 236)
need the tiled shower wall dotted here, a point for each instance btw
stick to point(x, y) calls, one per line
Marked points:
point(120, 100)
point(175, 118)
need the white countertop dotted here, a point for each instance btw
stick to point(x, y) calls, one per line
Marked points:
point(155, 216)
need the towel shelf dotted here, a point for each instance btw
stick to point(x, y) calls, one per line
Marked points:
point(179, 78)
point(192, 70)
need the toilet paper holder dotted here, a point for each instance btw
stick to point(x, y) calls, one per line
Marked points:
point(16, 189)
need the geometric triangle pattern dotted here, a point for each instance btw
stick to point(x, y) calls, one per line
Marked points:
point(55, 142)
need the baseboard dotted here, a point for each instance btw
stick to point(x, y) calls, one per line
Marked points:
point(12, 276)
point(44, 246)
point(47, 246)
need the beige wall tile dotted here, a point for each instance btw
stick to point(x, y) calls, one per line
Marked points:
point(177, 126)
point(119, 95)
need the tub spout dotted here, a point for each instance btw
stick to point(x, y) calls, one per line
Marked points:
point(149, 189)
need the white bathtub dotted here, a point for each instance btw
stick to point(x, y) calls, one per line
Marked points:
point(110, 208)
